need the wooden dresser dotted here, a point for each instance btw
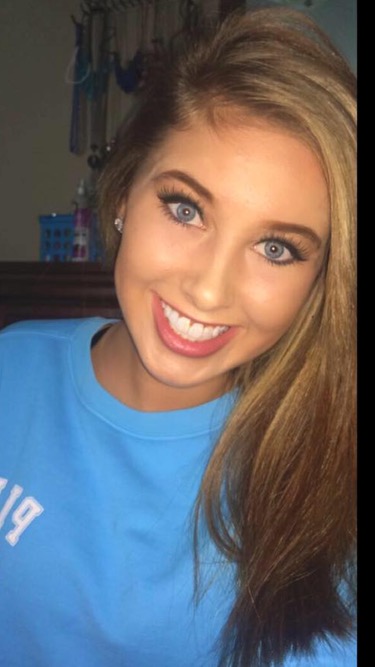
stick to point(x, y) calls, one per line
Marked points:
point(51, 290)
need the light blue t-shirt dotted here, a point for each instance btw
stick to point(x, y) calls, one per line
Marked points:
point(96, 558)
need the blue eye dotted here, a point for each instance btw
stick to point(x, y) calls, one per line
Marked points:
point(183, 211)
point(280, 251)
point(275, 250)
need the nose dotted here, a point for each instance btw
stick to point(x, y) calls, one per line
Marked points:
point(210, 279)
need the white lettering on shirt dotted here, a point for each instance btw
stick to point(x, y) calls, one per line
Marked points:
point(22, 516)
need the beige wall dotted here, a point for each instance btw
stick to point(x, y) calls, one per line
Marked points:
point(37, 173)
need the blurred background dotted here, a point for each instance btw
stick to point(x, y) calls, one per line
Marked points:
point(57, 123)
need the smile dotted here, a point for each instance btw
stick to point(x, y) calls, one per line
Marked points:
point(187, 337)
point(189, 329)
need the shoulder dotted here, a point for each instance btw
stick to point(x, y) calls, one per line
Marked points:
point(38, 355)
point(24, 340)
point(50, 328)
point(53, 329)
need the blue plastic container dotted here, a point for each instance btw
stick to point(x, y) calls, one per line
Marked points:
point(56, 237)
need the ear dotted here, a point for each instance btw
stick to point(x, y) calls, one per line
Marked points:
point(121, 211)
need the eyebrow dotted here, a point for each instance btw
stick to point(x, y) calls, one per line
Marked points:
point(274, 225)
point(188, 180)
point(294, 228)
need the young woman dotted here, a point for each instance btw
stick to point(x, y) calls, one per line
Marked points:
point(178, 487)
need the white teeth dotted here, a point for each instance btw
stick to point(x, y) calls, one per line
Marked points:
point(173, 317)
point(194, 331)
point(182, 325)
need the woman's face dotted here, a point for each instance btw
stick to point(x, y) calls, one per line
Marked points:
point(224, 234)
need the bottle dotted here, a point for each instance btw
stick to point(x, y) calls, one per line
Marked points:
point(81, 225)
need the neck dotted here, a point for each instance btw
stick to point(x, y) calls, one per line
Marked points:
point(119, 369)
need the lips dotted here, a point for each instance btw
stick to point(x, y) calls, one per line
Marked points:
point(188, 337)
point(191, 329)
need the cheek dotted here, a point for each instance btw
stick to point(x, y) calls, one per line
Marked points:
point(145, 254)
point(272, 305)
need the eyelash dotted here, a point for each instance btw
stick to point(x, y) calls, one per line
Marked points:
point(297, 250)
point(172, 196)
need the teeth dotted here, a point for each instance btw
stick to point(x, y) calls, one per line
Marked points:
point(194, 331)
point(182, 325)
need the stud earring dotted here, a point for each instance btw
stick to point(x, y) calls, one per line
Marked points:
point(119, 224)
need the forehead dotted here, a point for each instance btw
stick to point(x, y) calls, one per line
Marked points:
point(256, 162)
point(234, 137)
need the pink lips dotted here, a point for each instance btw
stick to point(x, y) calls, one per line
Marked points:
point(181, 345)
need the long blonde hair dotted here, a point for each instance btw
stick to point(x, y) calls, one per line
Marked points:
point(284, 467)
